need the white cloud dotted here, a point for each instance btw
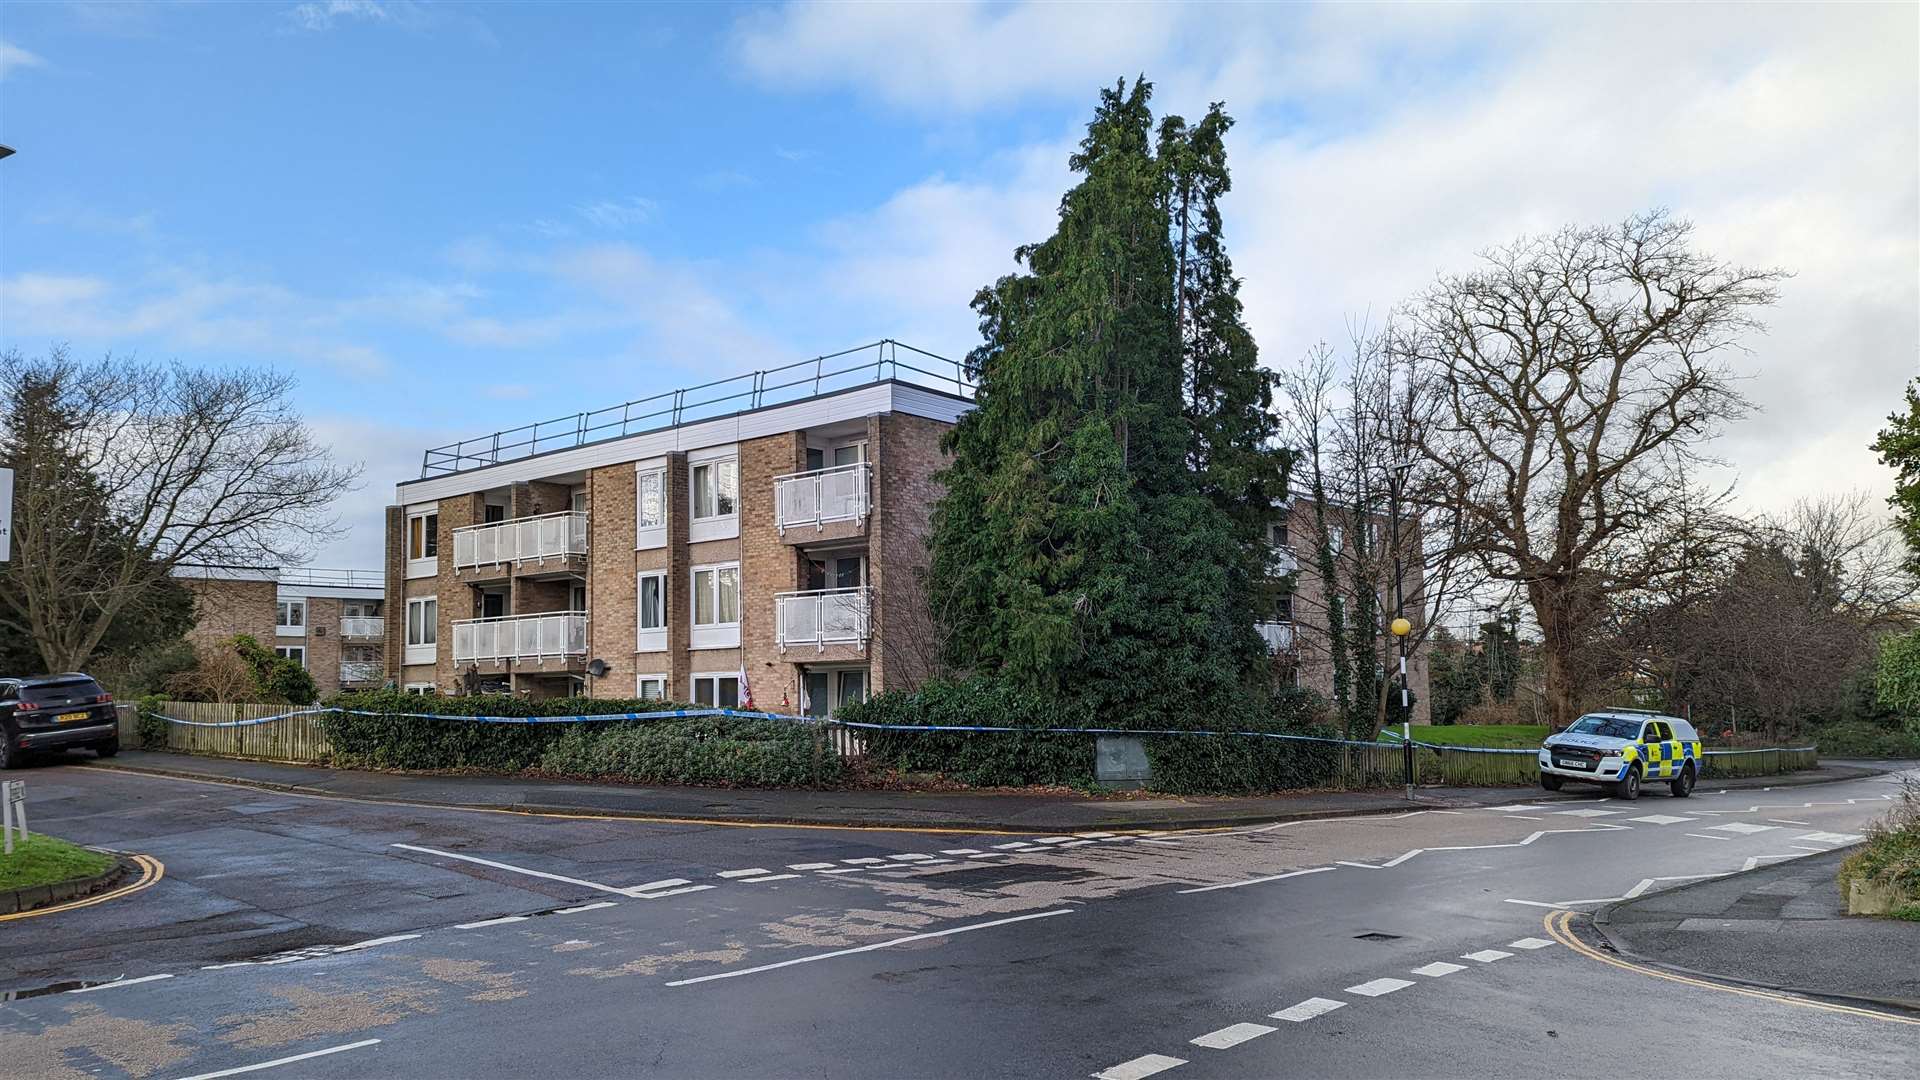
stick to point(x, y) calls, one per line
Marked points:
point(1380, 146)
point(323, 14)
point(14, 59)
point(616, 214)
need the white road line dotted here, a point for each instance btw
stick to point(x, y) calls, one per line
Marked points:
point(912, 856)
point(515, 869)
point(1078, 843)
point(1487, 956)
point(1017, 845)
point(889, 943)
point(845, 870)
point(743, 873)
point(1167, 843)
point(1381, 987)
point(1663, 819)
point(961, 851)
point(358, 945)
point(1529, 943)
point(119, 982)
point(489, 922)
point(595, 906)
point(809, 865)
point(672, 892)
point(1787, 821)
point(1586, 812)
point(1527, 817)
point(1810, 847)
point(1257, 881)
point(1144, 1066)
point(1270, 828)
point(1741, 827)
point(1512, 809)
point(1053, 840)
point(1232, 1035)
point(1704, 836)
point(1439, 968)
point(663, 883)
point(769, 877)
point(1830, 837)
point(284, 1060)
point(1308, 1009)
point(1087, 836)
point(862, 862)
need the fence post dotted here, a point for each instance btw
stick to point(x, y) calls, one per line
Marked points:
point(1406, 755)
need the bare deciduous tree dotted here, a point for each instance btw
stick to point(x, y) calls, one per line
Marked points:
point(126, 470)
point(1578, 377)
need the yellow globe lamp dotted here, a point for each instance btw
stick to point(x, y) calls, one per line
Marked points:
point(1400, 627)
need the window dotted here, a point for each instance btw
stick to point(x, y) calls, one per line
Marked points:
point(653, 602)
point(419, 688)
point(292, 652)
point(716, 595)
point(650, 687)
point(716, 489)
point(577, 598)
point(1286, 607)
point(493, 512)
point(360, 609)
point(291, 615)
point(423, 536)
point(650, 499)
point(423, 621)
point(579, 502)
point(1336, 538)
point(1277, 534)
point(716, 691)
point(851, 454)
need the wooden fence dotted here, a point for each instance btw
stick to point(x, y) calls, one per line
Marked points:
point(301, 739)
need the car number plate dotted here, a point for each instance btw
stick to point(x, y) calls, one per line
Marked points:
point(1570, 763)
point(68, 718)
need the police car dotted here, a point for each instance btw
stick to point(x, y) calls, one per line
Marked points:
point(1624, 748)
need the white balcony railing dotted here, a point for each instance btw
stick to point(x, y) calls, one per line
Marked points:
point(359, 672)
point(522, 540)
point(362, 626)
point(823, 495)
point(822, 617)
point(1278, 635)
point(1282, 560)
point(553, 635)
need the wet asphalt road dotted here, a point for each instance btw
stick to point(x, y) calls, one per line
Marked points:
point(566, 947)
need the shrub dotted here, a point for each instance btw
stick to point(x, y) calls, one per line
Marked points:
point(379, 733)
point(152, 728)
point(1859, 739)
point(1892, 852)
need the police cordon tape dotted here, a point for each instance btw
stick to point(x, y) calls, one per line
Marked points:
point(744, 714)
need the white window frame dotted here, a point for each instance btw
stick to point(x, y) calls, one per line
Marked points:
point(717, 634)
point(419, 688)
point(649, 638)
point(656, 683)
point(715, 678)
point(859, 444)
point(286, 607)
point(291, 652)
point(423, 565)
point(717, 525)
point(649, 534)
point(422, 651)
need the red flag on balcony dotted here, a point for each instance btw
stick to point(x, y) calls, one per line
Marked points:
point(746, 689)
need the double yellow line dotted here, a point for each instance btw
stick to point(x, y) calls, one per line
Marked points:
point(1559, 928)
point(151, 871)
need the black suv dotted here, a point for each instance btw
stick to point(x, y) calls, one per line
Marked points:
point(51, 712)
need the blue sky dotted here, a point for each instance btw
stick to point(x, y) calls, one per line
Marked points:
point(449, 218)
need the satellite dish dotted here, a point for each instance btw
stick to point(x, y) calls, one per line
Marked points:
point(597, 668)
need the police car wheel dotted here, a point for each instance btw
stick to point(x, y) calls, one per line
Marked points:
point(1629, 786)
point(1550, 781)
point(1682, 785)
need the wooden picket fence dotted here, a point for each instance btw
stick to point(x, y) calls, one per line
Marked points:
point(299, 739)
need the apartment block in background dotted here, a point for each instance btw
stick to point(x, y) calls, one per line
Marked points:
point(763, 535)
point(332, 621)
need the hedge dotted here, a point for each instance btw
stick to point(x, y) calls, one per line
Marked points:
point(1181, 764)
point(696, 750)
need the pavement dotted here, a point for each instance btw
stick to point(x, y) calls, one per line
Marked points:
point(1782, 926)
point(1010, 811)
point(329, 936)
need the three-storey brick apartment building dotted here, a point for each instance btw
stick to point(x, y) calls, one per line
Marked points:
point(329, 620)
point(763, 535)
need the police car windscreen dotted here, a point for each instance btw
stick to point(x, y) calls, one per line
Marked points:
point(1610, 727)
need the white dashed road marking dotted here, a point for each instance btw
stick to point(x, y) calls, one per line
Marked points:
point(1704, 836)
point(515, 869)
point(1256, 881)
point(1439, 968)
point(1487, 956)
point(755, 872)
point(1663, 819)
point(1741, 827)
point(769, 877)
point(663, 883)
point(1529, 943)
point(1139, 1068)
point(1232, 1036)
point(1381, 987)
point(1586, 813)
point(809, 866)
point(489, 922)
point(1308, 1009)
point(284, 1060)
point(119, 982)
point(1831, 838)
point(890, 942)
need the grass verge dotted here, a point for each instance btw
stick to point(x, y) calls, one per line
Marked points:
point(43, 860)
point(1892, 852)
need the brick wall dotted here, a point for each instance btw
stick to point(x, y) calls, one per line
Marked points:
point(395, 607)
point(1310, 616)
point(610, 579)
point(768, 565)
point(905, 643)
point(323, 643)
point(679, 587)
point(457, 598)
point(222, 609)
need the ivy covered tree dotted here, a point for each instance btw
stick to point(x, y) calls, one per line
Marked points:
point(1899, 448)
point(1095, 542)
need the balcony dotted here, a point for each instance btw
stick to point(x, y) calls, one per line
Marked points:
point(362, 628)
point(550, 641)
point(1282, 560)
point(1278, 636)
point(839, 619)
point(824, 504)
point(546, 544)
point(361, 672)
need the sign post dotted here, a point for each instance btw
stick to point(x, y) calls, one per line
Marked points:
point(6, 514)
point(13, 810)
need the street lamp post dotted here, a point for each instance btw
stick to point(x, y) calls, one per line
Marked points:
point(1401, 628)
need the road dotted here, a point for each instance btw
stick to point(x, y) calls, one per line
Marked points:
point(302, 936)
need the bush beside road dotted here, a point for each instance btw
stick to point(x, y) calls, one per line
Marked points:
point(1890, 860)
